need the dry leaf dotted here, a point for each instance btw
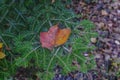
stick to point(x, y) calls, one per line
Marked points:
point(1, 45)
point(52, 1)
point(93, 40)
point(48, 38)
point(104, 13)
point(54, 37)
point(62, 36)
point(2, 55)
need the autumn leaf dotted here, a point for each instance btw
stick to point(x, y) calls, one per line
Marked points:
point(48, 38)
point(54, 37)
point(2, 55)
point(52, 1)
point(62, 36)
point(1, 45)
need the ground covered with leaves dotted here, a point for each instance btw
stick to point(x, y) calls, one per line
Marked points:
point(59, 40)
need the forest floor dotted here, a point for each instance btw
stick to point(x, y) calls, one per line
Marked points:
point(90, 53)
point(106, 16)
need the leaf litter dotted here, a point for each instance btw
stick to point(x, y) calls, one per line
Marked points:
point(106, 16)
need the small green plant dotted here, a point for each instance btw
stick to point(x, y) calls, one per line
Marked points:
point(22, 21)
point(81, 43)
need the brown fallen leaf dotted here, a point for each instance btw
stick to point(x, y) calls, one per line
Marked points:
point(104, 12)
point(54, 37)
point(48, 38)
point(93, 40)
point(52, 1)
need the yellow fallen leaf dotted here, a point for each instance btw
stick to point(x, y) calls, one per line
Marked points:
point(62, 36)
point(1, 45)
point(2, 55)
